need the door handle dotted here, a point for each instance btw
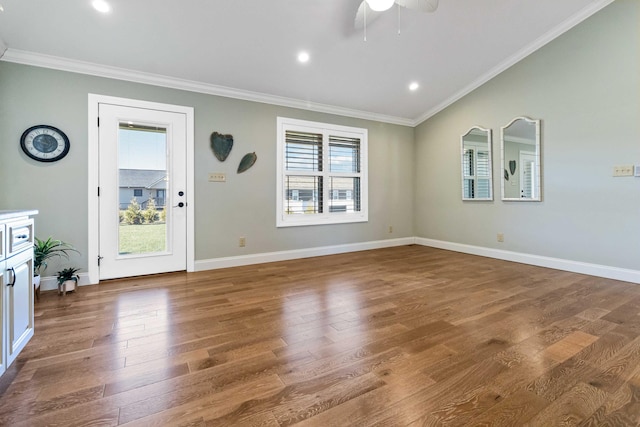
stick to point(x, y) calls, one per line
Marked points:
point(179, 205)
point(13, 275)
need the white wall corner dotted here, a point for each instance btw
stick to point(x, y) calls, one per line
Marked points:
point(598, 270)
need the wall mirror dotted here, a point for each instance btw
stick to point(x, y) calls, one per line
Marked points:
point(520, 160)
point(477, 183)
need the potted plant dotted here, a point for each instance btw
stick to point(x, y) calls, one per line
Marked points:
point(68, 280)
point(44, 250)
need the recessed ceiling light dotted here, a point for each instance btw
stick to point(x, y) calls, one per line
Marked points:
point(303, 57)
point(1, 8)
point(414, 86)
point(101, 6)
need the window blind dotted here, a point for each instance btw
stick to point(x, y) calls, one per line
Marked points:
point(482, 175)
point(476, 179)
point(344, 154)
point(303, 194)
point(322, 173)
point(303, 151)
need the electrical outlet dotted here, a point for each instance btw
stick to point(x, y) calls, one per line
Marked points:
point(217, 177)
point(242, 242)
point(623, 170)
point(500, 237)
point(391, 229)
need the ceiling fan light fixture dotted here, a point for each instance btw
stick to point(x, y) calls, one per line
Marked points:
point(380, 5)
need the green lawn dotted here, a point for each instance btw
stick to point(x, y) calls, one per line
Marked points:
point(143, 238)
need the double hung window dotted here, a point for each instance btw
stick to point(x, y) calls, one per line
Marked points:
point(322, 173)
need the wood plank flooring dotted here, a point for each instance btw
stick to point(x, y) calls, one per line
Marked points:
point(403, 336)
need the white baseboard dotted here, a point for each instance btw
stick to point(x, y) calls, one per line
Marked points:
point(598, 270)
point(237, 261)
point(626, 275)
point(50, 283)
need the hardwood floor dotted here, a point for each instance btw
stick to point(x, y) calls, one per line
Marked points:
point(403, 336)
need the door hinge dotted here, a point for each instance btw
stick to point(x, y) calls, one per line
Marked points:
point(98, 191)
point(98, 121)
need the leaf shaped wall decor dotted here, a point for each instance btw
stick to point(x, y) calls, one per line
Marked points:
point(247, 161)
point(221, 145)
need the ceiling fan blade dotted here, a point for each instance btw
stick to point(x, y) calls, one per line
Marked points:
point(371, 15)
point(421, 5)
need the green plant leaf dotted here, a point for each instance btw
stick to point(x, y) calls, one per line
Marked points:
point(44, 250)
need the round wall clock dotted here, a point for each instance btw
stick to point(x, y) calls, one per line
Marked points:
point(44, 143)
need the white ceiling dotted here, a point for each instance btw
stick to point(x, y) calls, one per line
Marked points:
point(247, 48)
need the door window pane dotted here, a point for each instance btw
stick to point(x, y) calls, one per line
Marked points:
point(142, 184)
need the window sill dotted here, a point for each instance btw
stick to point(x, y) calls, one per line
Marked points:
point(324, 220)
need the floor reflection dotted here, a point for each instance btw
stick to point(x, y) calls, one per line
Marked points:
point(326, 311)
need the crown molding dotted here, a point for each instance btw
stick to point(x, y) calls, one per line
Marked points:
point(517, 57)
point(98, 70)
point(82, 67)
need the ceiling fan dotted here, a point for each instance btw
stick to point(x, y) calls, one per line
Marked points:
point(371, 9)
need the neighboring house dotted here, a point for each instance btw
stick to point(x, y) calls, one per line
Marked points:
point(302, 196)
point(143, 185)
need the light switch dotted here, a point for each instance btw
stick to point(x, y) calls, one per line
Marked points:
point(217, 177)
point(623, 170)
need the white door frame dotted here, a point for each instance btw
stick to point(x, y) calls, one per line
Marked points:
point(93, 163)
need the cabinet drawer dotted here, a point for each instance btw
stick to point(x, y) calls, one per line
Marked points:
point(19, 236)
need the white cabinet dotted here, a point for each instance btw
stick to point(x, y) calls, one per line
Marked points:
point(18, 304)
point(3, 263)
point(16, 284)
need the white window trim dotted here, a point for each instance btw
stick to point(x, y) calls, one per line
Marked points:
point(285, 220)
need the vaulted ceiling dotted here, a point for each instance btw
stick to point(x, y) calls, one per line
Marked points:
point(248, 48)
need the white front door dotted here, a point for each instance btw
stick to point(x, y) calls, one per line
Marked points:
point(142, 181)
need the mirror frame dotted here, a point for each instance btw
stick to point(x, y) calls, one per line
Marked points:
point(538, 156)
point(489, 144)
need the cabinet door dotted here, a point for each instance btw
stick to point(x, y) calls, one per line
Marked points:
point(18, 303)
point(3, 281)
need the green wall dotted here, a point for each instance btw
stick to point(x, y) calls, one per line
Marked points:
point(244, 206)
point(585, 87)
